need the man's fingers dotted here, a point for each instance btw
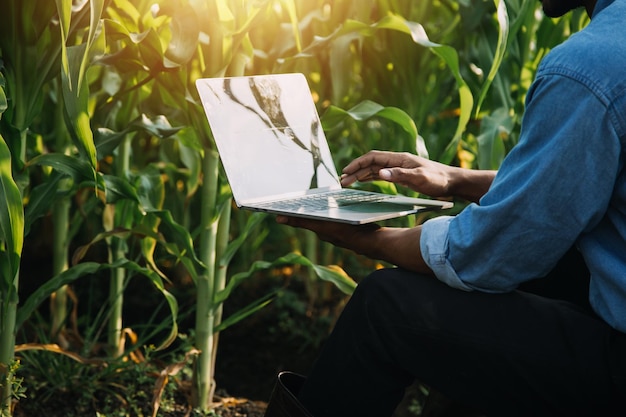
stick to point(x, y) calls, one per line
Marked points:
point(364, 175)
point(368, 166)
point(396, 175)
point(288, 220)
point(385, 174)
point(282, 219)
point(371, 161)
point(301, 222)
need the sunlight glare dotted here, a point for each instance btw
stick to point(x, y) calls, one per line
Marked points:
point(326, 11)
point(278, 7)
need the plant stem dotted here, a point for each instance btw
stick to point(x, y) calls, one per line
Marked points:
point(205, 310)
point(60, 222)
point(223, 236)
point(118, 276)
point(8, 306)
point(116, 301)
point(10, 275)
point(60, 251)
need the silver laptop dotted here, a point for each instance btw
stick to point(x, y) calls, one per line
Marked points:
point(276, 157)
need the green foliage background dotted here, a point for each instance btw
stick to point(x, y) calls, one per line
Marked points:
point(102, 138)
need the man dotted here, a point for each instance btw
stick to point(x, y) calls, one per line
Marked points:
point(527, 316)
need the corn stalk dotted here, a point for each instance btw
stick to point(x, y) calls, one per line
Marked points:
point(206, 284)
point(61, 231)
point(11, 242)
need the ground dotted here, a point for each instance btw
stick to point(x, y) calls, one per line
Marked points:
point(287, 335)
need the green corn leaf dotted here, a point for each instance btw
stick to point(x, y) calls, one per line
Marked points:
point(341, 65)
point(253, 222)
point(367, 109)
point(70, 275)
point(503, 33)
point(107, 140)
point(240, 277)
point(245, 312)
point(450, 57)
point(494, 128)
point(115, 31)
point(150, 188)
point(74, 61)
point(149, 242)
point(76, 168)
point(76, 105)
point(185, 29)
point(191, 137)
point(64, 10)
point(190, 268)
point(117, 188)
point(466, 98)
point(418, 34)
point(41, 199)
point(119, 232)
point(150, 49)
point(4, 105)
point(331, 274)
point(178, 236)
point(75, 71)
point(146, 230)
point(192, 161)
point(158, 126)
point(290, 6)
point(11, 216)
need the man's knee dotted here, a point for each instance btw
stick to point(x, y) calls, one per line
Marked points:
point(380, 285)
point(397, 283)
point(387, 279)
point(396, 297)
point(390, 292)
point(374, 297)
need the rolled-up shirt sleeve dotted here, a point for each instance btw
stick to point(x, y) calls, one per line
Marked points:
point(434, 248)
point(538, 205)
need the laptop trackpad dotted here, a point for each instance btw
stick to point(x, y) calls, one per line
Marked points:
point(382, 206)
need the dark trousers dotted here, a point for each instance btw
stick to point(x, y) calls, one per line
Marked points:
point(537, 351)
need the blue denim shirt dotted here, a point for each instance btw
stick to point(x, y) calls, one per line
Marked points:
point(562, 185)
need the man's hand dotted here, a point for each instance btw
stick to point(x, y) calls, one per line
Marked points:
point(358, 238)
point(419, 174)
point(398, 246)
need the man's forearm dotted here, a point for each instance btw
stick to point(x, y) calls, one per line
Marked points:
point(470, 184)
point(400, 247)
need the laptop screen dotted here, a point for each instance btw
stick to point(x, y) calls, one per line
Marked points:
point(268, 135)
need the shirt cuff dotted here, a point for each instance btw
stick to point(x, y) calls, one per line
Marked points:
point(434, 248)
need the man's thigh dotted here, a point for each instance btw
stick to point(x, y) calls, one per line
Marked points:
point(506, 354)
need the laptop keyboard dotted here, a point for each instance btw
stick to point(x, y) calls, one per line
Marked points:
point(322, 201)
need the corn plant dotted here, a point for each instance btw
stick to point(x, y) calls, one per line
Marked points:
point(24, 75)
point(34, 53)
point(161, 79)
point(11, 242)
point(444, 79)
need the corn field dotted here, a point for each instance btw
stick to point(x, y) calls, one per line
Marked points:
point(109, 171)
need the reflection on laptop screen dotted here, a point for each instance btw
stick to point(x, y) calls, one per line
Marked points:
point(268, 134)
